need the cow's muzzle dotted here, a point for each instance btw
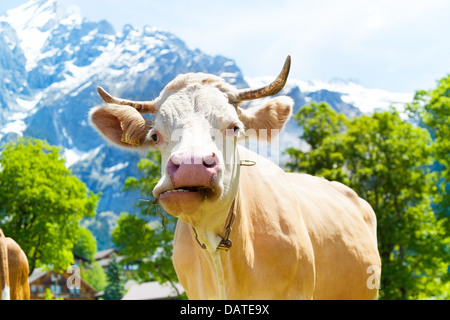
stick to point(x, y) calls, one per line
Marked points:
point(193, 170)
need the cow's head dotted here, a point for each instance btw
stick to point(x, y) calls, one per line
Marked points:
point(197, 121)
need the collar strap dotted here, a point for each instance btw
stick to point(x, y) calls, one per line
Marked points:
point(225, 244)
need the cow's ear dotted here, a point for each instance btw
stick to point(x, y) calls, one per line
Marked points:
point(271, 116)
point(121, 125)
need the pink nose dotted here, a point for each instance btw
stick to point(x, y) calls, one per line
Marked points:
point(192, 167)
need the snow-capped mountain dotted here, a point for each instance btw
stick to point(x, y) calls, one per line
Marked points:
point(51, 63)
point(50, 66)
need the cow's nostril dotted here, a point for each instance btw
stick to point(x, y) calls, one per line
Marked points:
point(172, 166)
point(176, 160)
point(209, 161)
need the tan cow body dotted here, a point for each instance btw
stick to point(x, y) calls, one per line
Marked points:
point(13, 270)
point(293, 236)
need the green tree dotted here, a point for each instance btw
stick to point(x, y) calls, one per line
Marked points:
point(386, 161)
point(319, 123)
point(91, 271)
point(42, 203)
point(148, 244)
point(50, 296)
point(431, 109)
point(95, 275)
point(115, 289)
point(85, 245)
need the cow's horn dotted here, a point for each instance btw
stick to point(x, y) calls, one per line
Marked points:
point(140, 106)
point(271, 89)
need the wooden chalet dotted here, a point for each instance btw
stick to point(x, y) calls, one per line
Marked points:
point(40, 280)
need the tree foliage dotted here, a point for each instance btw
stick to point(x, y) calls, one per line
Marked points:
point(115, 289)
point(147, 245)
point(386, 160)
point(319, 122)
point(95, 275)
point(42, 203)
point(85, 245)
point(431, 109)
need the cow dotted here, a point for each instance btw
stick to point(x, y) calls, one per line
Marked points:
point(246, 229)
point(13, 270)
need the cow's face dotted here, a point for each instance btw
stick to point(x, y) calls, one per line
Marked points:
point(195, 129)
point(196, 126)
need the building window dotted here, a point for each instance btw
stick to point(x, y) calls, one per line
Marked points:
point(75, 291)
point(55, 289)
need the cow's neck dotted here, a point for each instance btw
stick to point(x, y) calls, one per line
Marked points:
point(213, 240)
point(211, 232)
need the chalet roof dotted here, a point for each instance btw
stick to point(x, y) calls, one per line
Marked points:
point(151, 291)
point(104, 254)
point(79, 257)
point(37, 273)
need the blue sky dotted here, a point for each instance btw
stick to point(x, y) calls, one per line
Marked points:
point(394, 45)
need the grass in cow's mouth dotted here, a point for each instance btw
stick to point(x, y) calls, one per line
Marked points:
point(190, 189)
point(205, 192)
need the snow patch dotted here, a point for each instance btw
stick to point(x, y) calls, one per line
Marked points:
point(365, 99)
point(27, 105)
point(117, 167)
point(33, 22)
point(72, 156)
point(17, 126)
point(84, 86)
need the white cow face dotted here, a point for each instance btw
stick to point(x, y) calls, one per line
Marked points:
point(196, 126)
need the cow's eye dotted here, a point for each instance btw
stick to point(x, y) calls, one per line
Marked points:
point(155, 137)
point(234, 129)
